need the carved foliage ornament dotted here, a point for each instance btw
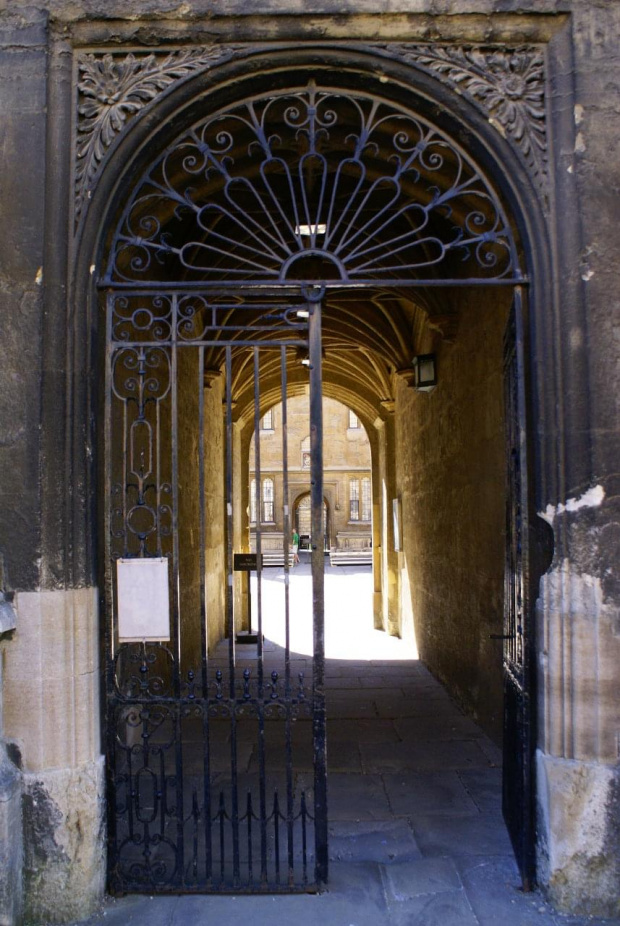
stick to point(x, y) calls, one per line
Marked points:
point(508, 84)
point(113, 88)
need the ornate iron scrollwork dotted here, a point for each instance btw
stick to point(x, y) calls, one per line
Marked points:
point(315, 183)
point(508, 84)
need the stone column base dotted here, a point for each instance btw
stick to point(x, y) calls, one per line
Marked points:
point(377, 610)
point(579, 835)
point(11, 846)
point(64, 839)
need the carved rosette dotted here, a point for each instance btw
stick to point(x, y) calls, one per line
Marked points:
point(507, 84)
point(113, 87)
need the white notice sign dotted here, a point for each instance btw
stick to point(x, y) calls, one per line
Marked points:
point(143, 602)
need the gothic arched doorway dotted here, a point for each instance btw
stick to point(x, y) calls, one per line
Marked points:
point(230, 262)
point(303, 522)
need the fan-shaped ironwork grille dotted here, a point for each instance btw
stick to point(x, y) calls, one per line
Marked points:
point(309, 185)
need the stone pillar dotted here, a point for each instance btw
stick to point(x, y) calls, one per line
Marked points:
point(579, 724)
point(389, 557)
point(51, 710)
point(11, 835)
point(377, 549)
point(242, 435)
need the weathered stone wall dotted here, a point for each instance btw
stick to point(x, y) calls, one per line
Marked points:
point(22, 195)
point(450, 452)
point(51, 711)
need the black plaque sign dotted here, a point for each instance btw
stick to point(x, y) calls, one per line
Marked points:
point(245, 562)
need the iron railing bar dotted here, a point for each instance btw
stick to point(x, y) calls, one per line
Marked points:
point(163, 799)
point(318, 607)
point(207, 794)
point(232, 343)
point(259, 621)
point(158, 477)
point(109, 615)
point(248, 813)
point(287, 616)
point(176, 610)
point(176, 626)
point(125, 477)
point(201, 502)
point(130, 798)
point(179, 788)
point(259, 518)
point(231, 615)
point(281, 287)
point(203, 620)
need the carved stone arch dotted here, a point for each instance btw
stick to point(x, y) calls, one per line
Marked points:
point(148, 127)
point(314, 179)
point(506, 84)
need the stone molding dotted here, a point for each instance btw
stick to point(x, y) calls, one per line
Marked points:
point(508, 85)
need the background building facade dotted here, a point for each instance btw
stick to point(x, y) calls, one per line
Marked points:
point(347, 478)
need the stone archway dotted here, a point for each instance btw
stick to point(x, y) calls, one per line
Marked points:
point(395, 227)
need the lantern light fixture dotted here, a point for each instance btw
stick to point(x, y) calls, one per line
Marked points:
point(425, 372)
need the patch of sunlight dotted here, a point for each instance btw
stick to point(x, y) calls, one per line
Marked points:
point(349, 631)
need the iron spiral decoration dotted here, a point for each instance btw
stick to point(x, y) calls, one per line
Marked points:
point(312, 184)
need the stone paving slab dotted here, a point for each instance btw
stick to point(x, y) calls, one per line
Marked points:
point(445, 909)
point(492, 752)
point(436, 706)
point(357, 797)
point(423, 727)
point(494, 890)
point(352, 709)
point(452, 835)
point(342, 757)
point(395, 679)
point(421, 754)
point(405, 880)
point(429, 793)
point(484, 787)
point(360, 730)
point(343, 683)
point(381, 841)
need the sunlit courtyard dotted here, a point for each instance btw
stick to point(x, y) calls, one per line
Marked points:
point(349, 631)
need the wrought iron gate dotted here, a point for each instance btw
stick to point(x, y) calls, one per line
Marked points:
point(205, 791)
point(519, 736)
point(300, 191)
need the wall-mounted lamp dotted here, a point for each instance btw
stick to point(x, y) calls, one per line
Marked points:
point(425, 372)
